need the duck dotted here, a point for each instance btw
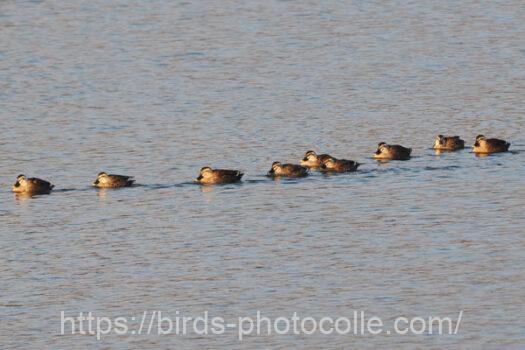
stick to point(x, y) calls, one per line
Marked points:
point(393, 152)
point(209, 176)
point(332, 164)
point(448, 143)
point(313, 160)
point(31, 185)
point(486, 146)
point(105, 180)
point(287, 170)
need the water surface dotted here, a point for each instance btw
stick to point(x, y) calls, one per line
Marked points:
point(159, 89)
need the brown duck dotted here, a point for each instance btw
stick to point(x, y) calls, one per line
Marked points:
point(484, 145)
point(339, 165)
point(448, 143)
point(31, 185)
point(287, 170)
point(208, 176)
point(113, 181)
point(393, 152)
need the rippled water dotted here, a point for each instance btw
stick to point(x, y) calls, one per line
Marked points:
point(159, 89)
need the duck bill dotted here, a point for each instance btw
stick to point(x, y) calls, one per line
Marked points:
point(198, 179)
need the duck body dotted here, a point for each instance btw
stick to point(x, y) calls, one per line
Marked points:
point(486, 146)
point(113, 181)
point(339, 165)
point(31, 185)
point(287, 170)
point(209, 176)
point(313, 160)
point(448, 143)
point(392, 152)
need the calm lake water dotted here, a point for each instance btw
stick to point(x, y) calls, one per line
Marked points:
point(158, 89)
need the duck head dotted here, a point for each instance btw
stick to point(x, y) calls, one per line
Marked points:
point(310, 157)
point(382, 147)
point(479, 138)
point(440, 141)
point(101, 177)
point(276, 167)
point(328, 163)
point(20, 181)
point(206, 172)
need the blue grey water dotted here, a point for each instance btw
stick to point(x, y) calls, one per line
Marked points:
point(158, 89)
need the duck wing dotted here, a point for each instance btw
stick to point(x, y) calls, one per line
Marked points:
point(401, 152)
point(352, 164)
point(233, 174)
point(39, 183)
point(322, 157)
point(406, 150)
point(348, 165)
point(295, 169)
point(498, 142)
point(122, 179)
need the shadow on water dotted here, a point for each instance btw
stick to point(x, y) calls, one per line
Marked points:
point(258, 181)
point(65, 190)
point(329, 174)
point(443, 152)
point(25, 196)
point(151, 187)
